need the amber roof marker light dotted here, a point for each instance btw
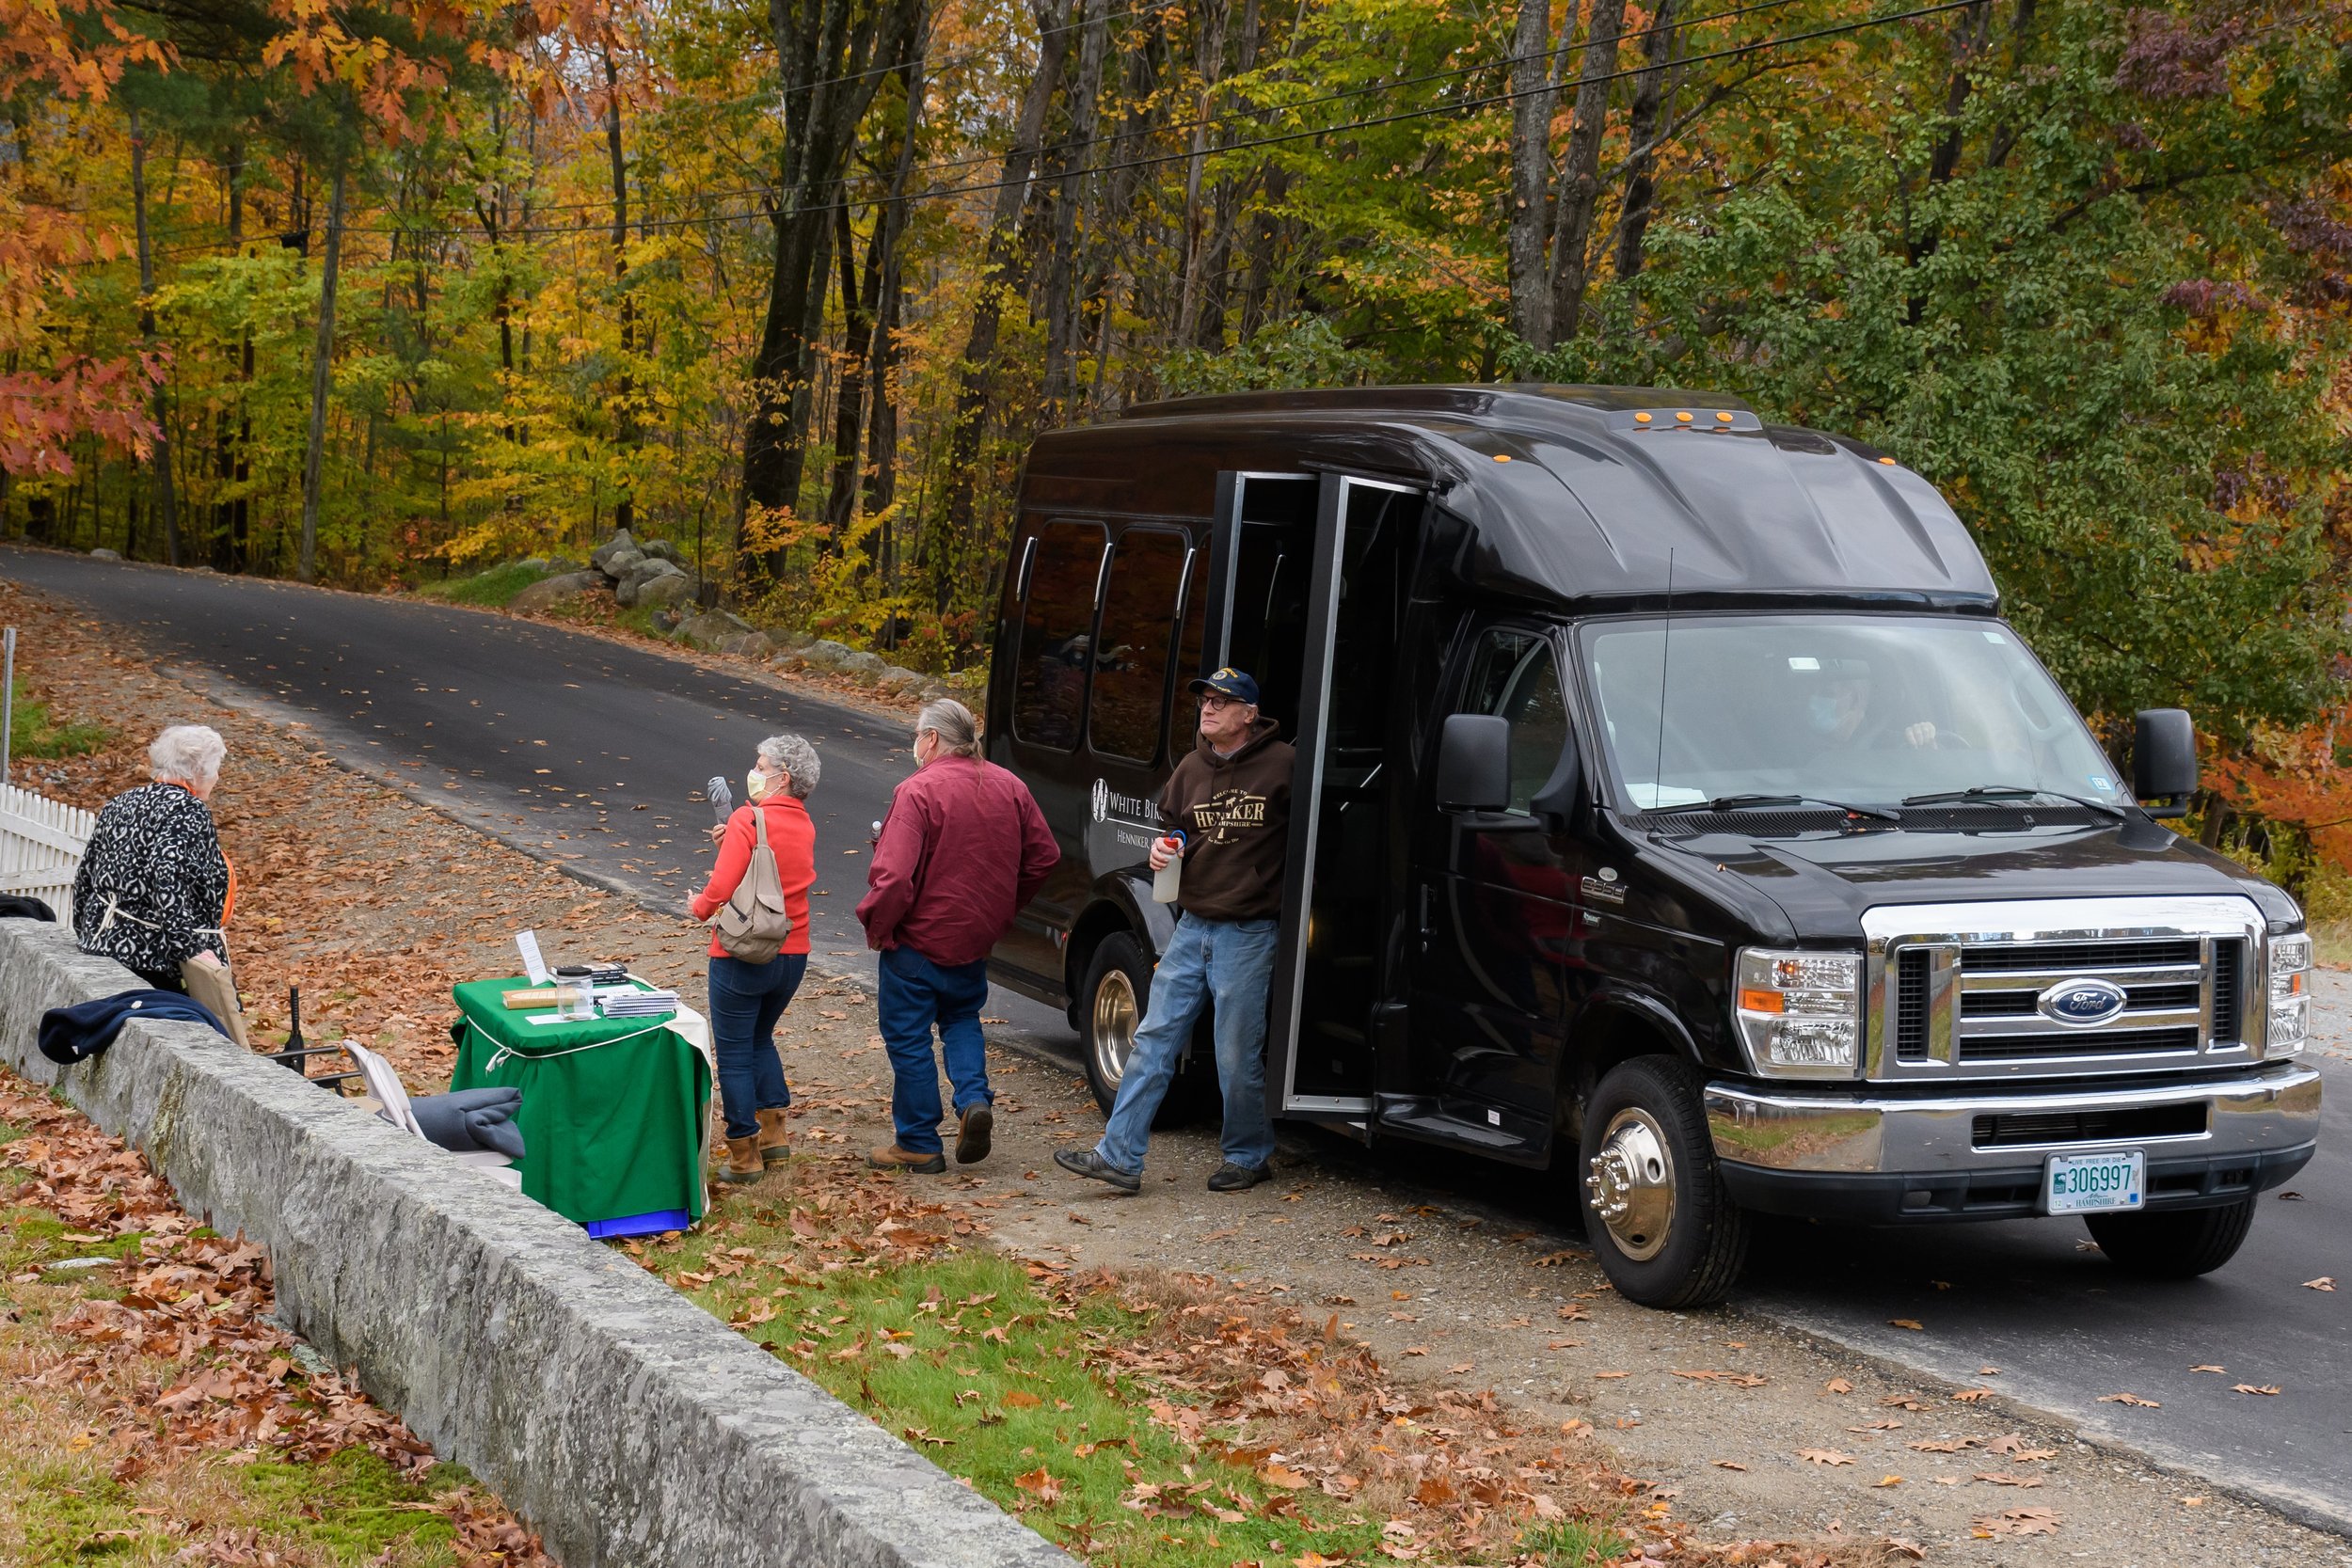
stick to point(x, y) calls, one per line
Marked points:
point(1888, 461)
point(1722, 419)
point(1502, 457)
point(1683, 417)
point(1641, 419)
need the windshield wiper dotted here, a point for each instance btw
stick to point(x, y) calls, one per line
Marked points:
point(1740, 803)
point(2012, 792)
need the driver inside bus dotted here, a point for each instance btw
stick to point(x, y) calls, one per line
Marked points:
point(1838, 711)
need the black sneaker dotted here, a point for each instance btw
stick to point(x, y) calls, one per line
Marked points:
point(1084, 1161)
point(1230, 1178)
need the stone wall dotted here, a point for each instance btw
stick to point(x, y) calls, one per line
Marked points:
point(626, 1425)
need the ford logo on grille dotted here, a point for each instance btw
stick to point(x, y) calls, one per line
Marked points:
point(2082, 1003)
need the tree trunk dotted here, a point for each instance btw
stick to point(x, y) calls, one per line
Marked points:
point(999, 278)
point(1653, 106)
point(826, 89)
point(322, 375)
point(860, 293)
point(1216, 261)
point(1210, 64)
point(1580, 170)
point(882, 436)
point(159, 458)
point(1061, 304)
point(1530, 170)
point(624, 414)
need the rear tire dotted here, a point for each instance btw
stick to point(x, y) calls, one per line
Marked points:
point(2180, 1243)
point(1110, 1007)
point(1662, 1224)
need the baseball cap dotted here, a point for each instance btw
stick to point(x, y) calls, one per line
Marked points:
point(1228, 682)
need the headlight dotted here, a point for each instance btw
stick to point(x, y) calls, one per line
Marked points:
point(2290, 994)
point(1800, 1014)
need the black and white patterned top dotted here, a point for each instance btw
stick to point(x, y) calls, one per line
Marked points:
point(152, 882)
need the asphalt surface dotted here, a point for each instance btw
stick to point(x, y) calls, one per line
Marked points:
point(588, 751)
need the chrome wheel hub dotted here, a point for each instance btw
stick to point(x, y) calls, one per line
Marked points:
point(1113, 1037)
point(1631, 1181)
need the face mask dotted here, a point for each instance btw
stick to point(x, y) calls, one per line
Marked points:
point(1822, 710)
point(754, 785)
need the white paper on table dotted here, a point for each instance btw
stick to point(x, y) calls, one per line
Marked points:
point(550, 1018)
point(533, 965)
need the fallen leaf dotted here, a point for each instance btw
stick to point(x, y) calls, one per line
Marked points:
point(1888, 1480)
point(1912, 1324)
point(1824, 1456)
point(1901, 1547)
point(1281, 1476)
point(2208, 1367)
point(2131, 1399)
point(2253, 1389)
point(2017, 1521)
point(1040, 1483)
point(1612, 1374)
point(1729, 1464)
point(2192, 1502)
point(2002, 1477)
point(1970, 1396)
point(1839, 1386)
point(1942, 1445)
point(1023, 1400)
point(2324, 1282)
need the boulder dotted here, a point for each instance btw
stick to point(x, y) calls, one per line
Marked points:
point(621, 541)
point(712, 628)
point(644, 572)
point(106, 555)
point(751, 644)
point(562, 564)
point(618, 564)
point(825, 654)
point(670, 588)
point(549, 592)
point(897, 681)
point(865, 666)
point(666, 550)
point(666, 621)
point(535, 562)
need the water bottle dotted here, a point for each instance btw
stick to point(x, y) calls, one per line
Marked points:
point(1164, 880)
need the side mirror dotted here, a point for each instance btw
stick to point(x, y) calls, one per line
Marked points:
point(2164, 760)
point(1474, 763)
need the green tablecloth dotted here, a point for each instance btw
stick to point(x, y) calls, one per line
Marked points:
point(609, 1130)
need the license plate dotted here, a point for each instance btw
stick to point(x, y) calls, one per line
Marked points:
point(2093, 1183)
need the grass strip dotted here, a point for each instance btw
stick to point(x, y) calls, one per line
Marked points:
point(35, 732)
point(494, 589)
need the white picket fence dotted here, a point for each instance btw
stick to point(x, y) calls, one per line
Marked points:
point(40, 845)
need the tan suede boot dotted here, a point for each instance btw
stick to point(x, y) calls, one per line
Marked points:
point(891, 1157)
point(776, 1138)
point(742, 1161)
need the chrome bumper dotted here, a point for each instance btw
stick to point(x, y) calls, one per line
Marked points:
point(1827, 1132)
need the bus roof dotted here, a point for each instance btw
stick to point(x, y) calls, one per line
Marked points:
point(1574, 494)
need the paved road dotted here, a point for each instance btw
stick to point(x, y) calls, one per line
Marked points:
point(552, 739)
point(577, 748)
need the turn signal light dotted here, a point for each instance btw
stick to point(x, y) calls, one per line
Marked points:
point(1762, 1002)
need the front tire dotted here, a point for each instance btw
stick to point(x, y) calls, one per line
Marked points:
point(2180, 1243)
point(1662, 1224)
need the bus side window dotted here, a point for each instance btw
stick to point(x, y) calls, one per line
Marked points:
point(1183, 728)
point(1056, 627)
point(1516, 678)
point(1131, 652)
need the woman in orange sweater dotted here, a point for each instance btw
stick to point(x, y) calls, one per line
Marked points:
point(747, 999)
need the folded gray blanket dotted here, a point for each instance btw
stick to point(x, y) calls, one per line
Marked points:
point(471, 1118)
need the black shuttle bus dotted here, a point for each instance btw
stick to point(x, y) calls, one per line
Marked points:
point(1672, 804)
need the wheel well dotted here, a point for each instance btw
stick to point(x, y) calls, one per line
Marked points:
point(1101, 918)
point(1604, 1043)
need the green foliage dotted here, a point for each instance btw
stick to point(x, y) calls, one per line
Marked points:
point(494, 589)
point(34, 732)
point(1574, 1543)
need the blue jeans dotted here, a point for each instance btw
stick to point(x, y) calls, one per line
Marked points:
point(1227, 961)
point(745, 1002)
point(916, 994)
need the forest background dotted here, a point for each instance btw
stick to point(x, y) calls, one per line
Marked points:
point(379, 292)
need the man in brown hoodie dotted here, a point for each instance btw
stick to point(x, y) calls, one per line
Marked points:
point(1229, 804)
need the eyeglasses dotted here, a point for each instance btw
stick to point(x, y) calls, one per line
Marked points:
point(1211, 703)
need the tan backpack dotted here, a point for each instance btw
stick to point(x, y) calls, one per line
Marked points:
point(753, 924)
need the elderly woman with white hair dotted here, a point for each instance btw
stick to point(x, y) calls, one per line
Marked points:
point(747, 998)
point(154, 887)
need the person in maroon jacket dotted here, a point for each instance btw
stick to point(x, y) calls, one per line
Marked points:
point(962, 849)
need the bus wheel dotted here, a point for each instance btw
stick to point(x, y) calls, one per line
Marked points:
point(1110, 1009)
point(1664, 1228)
point(2178, 1245)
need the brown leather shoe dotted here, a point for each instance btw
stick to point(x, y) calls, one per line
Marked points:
point(775, 1139)
point(742, 1161)
point(891, 1157)
point(972, 1134)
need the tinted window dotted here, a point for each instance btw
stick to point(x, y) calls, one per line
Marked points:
point(1515, 676)
point(1130, 654)
point(1057, 621)
point(1184, 726)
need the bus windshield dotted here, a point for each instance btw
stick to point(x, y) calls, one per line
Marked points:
point(1860, 709)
